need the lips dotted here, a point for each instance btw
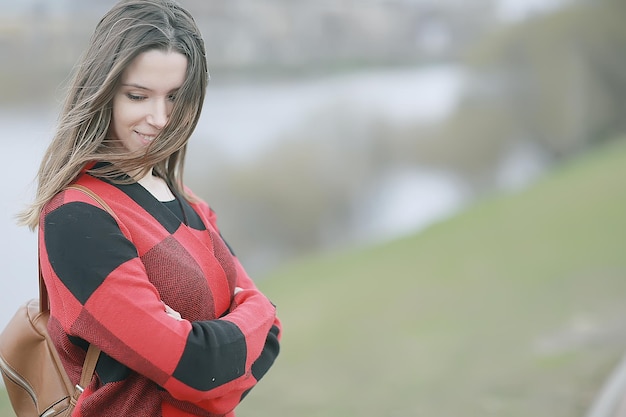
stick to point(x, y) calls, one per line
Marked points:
point(145, 138)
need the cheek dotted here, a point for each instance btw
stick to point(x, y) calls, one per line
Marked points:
point(119, 125)
point(123, 116)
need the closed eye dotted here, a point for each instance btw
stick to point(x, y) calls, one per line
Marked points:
point(134, 97)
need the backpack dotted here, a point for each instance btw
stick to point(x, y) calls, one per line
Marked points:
point(34, 377)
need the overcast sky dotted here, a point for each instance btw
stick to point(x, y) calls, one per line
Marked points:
point(509, 9)
point(513, 10)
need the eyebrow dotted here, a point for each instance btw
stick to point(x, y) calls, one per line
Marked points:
point(135, 86)
point(141, 87)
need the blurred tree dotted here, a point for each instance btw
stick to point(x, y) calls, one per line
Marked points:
point(302, 194)
point(470, 143)
point(561, 77)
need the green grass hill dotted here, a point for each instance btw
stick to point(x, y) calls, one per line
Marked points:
point(515, 307)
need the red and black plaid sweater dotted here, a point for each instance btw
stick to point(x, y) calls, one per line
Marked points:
point(108, 279)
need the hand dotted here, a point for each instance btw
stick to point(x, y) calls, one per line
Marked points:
point(172, 313)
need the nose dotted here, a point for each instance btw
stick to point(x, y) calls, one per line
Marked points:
point(159, 114)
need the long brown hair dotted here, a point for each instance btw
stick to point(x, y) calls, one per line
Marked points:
point(130, 28)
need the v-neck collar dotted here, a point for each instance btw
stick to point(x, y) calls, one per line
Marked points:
point(144, 198)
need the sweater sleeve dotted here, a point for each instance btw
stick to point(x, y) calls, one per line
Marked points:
point(102, 294)
point(271, 346)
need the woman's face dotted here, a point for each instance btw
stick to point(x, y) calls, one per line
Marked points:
point(145, 97)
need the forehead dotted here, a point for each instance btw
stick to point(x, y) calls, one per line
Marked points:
point(156, 70)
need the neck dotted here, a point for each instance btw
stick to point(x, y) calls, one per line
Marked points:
point(156, 186)
point(139, 178)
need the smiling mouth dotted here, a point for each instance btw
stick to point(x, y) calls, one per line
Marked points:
point(147, 138)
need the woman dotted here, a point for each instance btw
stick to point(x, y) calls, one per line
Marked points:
point(182, 328)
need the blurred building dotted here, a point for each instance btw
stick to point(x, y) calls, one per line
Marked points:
point(256, 36)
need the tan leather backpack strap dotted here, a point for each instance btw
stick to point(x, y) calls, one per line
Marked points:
point(93, 353)
point(89, 367)
point(44, 303)
point(95, 197)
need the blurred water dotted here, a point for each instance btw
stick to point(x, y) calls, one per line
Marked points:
point(406, 200)
point(239, 121)
point(23, 138)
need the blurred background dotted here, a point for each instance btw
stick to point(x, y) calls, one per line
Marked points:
point(462, 161)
